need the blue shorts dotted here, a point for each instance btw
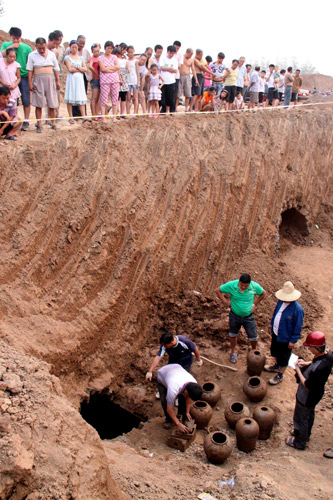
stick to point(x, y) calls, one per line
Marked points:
point(132, 87)
point(25, 92)
point(95, 83)
point(249, 324)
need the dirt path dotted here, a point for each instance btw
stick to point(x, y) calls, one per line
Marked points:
point(314, 265)
point(147, 469)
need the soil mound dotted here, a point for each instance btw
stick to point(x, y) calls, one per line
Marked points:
point(318, 81)
point(46, 449)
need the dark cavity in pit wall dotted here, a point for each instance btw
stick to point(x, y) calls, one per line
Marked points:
point(294, 226)
point(108, 418)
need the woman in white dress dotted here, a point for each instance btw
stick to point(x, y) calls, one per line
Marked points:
point(75, 93)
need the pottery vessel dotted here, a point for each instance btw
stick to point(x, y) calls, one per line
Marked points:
point(255, 388)
point(247, 432)
point(202, 412)
point(235, 412)
point(211, 393)
point(265, 417)
point(218, 447)
point(255, 362)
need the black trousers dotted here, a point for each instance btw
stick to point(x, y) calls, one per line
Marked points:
point(303, 422)
point(176, 90)
point(181, 401)
point(76, 109)
point(169, 97)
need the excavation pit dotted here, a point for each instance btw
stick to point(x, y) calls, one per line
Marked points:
point(108, 418)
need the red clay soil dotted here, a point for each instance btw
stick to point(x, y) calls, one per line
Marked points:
point(105, 233)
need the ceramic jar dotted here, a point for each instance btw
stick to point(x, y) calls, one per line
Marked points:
point(255, 388)
point(235, 412)
point(218, 447)
point(247, 432)
point(265, 417)
point(255, 362)
point(202, 412)
point(211, 393)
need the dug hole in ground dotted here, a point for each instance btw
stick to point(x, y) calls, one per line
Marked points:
point(106, 232)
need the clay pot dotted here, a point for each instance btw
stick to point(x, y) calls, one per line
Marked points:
point(255, 362)
point(218, 447)
point(265, 417)
point(255, 388)
point(235, 412)
point(202, 412)
point(247, 432)
point(211, 393)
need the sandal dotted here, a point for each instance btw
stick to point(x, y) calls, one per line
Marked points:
point(72, 121)
point(291, 442)
point(53, 126)
point(11, 138)
point(39, 129)
point(233, 358)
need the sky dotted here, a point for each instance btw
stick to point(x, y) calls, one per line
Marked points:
point(259, 30)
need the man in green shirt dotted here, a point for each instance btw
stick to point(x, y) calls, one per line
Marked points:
point(245, 295)
point(22, 51)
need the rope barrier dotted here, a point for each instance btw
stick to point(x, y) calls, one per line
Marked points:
point(178, 113)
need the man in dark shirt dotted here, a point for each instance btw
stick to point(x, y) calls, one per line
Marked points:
point(312, 377)
point(179, 348)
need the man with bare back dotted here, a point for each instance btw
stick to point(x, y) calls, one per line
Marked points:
point(185, 69)
point(201, 69)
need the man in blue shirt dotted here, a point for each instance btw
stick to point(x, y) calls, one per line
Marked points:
point(286, 325)
point(179, 348)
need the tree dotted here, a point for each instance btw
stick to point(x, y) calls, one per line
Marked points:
point(283, 63)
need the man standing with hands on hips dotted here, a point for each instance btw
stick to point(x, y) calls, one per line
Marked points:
point(245, 296)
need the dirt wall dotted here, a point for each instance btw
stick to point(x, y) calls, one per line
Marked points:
point(97, 221)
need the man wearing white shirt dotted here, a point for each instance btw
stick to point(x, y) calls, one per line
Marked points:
point(173, 381)
point(253, 88)
point(179, 57)
point(169, 68)
point(241, 74)
point(281, 84)
point(262, 84)
point(156, 58)
point(43, 78)
point(272, 95)
point(218, 68)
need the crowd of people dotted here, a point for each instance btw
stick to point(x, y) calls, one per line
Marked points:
point(177, 386)
point(121, 80)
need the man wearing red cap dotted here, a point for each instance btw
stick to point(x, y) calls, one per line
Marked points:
point(312, 377)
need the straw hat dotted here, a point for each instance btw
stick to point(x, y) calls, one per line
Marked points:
point(288, 293)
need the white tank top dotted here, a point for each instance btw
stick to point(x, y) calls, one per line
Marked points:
point(132, 78)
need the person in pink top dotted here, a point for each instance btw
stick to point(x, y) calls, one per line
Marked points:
point(94, 82)
point(10, 74)
point(109, 79)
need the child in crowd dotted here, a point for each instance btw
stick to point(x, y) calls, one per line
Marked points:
point(221, 101)
point(207, 102)
point(155, 93)
point(208, 76)
point(239, 101)
point(133, 79)
point(94, 82)
point(124, 69)
point(10, 74)
point(8, 113)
